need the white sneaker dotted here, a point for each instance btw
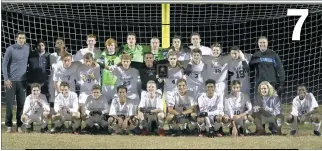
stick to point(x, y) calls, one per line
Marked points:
point(9, 129)
point(19, 130)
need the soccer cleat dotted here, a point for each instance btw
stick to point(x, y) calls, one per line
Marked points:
point(77, 130)
point(44, 130)
point(19, 130)
point(292, 132)
point(211, 132)
point(221, 131)
point(56, 129)
point(161, 132)
point(317, 133)
point(144, 132)
point(86, 129)
point(9, 129)
point(272, 128)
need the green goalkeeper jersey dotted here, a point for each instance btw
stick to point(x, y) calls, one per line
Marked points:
point(161, 55)
point(107, 77)
point(135, 53)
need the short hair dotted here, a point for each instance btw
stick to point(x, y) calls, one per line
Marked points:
point(172, 53)
point(271, 90)
point(147, 53)
point(91, 36)
point(131, 34)
point(181, 80)
point(262, 37)
point(154, 38)
point(194, 34)
point(66, 55)
point(60, 38)
point(196, 50)
point(151, 82)
point(210, 81)
point(125, 56)
point(302, 86)
point(64, 84)
point(109, 42)
point(235, 82)
point(88, 56)
point(35, 85)
point(20, 33)
point(40, 41)
point(121, 87)
point(96, 87)
point(234, 48)
point(176, 37)
point(216, 44)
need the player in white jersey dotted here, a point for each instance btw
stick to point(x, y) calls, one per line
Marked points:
point(236, 66)
point(237, 108)
point(195, 78)
point(304, 108)
point(216, 68)
point(87, 75)
point(211, 110)
point(96, 52)
point(66, 109)
point(183, 52)
point(127, 76)
point(66, 71)
point(96, 110)
point(151, 112)
point(268, 111)
point(122, 112)
point(182, 110)
point(195, 41)
point(36, 109)
point(175, 72)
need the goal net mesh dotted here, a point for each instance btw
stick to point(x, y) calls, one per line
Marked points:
point(231, 25)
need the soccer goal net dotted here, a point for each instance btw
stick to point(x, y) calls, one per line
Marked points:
point(231, 25)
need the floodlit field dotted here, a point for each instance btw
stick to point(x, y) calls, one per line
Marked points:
point(36, 140)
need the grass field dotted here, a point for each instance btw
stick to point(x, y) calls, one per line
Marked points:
point(36, 140)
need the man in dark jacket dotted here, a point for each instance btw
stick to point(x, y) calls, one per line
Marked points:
point(39, 68)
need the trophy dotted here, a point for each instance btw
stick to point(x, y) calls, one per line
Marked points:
point(162, 70)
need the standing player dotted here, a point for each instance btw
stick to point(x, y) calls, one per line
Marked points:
point(211, 110)
point(151, 109)
point(182, 108)
point(87, 75)
point(122, 112)
point(132, 48)
point(236, 66)
point(184, 52)
point(36, 109)
point(66, 71)
point(237, 109)
point(195, 41)
point(268, 111)
point(304, 108)
point(66, 109)
point(96, 52)
point(96, 109)
point(158, 53)
point(109, 57)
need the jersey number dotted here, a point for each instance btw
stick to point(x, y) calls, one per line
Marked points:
point(304, 112)
point(127, 83)
point(217, 70)
point(240, 74)
point(236, 112)
point(110, 62)
point(174, 81)
point(196, 75)
point(89, 80)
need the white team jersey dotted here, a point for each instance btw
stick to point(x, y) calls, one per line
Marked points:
point(54, 59)
point(70, 102)
point(300, 107)
point(213, 106)
point(34, 105)
point(197, 74)
point(126, 109)
point(99, 104)
point(183, 56)
point(79, 56)
point(87, 77)
point(68, 75)
point(174, 74)
point(128, 78)
point(236, 106)
point(240, 74)
point(205, 51)
point(181, 103)
point(272, 102)
point(151, 103)
point(217, 68)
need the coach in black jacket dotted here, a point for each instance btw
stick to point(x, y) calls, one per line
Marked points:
point(39, 68)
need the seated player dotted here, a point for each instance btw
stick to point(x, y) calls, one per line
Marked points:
point(151, 112)
point(304, 108)
point(96, 52)
point(182, 110)
point(66, 109)
point(88, 74)
point(96, 110)
point(122, 113)
point(211, 110)
point(36, 109)
point(269, 110)
point(237, 109)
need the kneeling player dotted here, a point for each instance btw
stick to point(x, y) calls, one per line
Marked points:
point(211, 110)
point(36, 109)
point(182, 110)
point(96, 109)
point(122, 112)
point(237, 109)
point(304, 108)
point(151, 109)
point(66, 109)
point(269, 111)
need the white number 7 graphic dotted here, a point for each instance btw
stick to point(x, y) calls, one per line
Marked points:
point(297, 29)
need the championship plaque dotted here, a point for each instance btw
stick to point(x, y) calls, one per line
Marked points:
point(162, 70)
